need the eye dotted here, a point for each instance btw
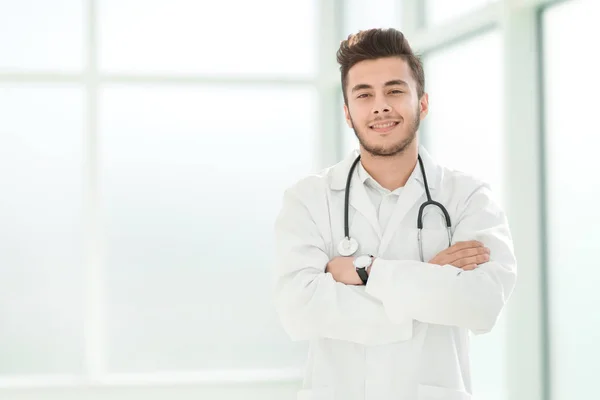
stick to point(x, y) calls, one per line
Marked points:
point(396, 91)
point(362, 95)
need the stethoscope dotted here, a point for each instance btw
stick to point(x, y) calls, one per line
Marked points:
point(348, 245)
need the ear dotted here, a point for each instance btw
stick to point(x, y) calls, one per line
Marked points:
point(424, 105)
point(347, 114)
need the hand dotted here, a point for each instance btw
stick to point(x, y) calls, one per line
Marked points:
point(342, 269)
point(464, 255)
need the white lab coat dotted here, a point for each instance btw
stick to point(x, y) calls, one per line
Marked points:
point(405, 335)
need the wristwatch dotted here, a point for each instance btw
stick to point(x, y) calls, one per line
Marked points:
point(361, 263)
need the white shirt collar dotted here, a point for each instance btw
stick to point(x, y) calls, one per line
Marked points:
point(338, 173)
point(369, 181)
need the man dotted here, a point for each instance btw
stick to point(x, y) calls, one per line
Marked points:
point(392, 320)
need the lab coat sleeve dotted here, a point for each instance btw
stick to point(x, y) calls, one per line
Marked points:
point(447, 295)
point(309, 302)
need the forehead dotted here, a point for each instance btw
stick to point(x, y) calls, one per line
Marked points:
point(377, 72)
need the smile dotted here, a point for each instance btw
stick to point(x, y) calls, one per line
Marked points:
point(384, 127)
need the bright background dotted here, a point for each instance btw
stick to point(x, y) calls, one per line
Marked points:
point(141, 140)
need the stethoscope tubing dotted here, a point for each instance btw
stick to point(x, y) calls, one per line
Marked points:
point(429, 202)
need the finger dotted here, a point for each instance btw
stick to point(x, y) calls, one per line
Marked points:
point(464, 245)
point(466, 253)
point(467, 244)
point(450, 255)
point(479, 259)
point(469, 267)
point(482, 258)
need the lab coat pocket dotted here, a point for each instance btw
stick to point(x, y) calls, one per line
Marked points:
point(326, 393)
point(427, 392)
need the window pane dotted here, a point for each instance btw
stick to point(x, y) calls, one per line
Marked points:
point(361, 15)
point(41, 35)
point(41, 230)
point(573, 195)
point(192, 183)
point(440, 11)
point(261, 37)
point(464, 131)
point(464, 127)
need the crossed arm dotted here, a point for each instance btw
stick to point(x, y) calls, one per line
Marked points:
point(312, 303)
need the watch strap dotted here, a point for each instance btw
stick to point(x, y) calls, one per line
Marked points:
point(362, 273)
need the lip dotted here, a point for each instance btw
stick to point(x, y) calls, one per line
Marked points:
point(384, 129)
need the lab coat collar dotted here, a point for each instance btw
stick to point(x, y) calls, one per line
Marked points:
point(339, 172)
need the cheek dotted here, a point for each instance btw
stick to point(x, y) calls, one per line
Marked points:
point(359, 114)
point(408, 113)
point(405, 106)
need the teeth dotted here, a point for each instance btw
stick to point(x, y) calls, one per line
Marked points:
point(380, 126)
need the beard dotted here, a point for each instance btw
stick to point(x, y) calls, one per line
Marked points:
point(395, 148)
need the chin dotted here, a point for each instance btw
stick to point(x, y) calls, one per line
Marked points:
point(384, 148)
point(383, 151)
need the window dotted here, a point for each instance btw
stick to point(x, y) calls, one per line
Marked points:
point(190, 198)
point(442, 11)
point(199, 37)
point(37, 35)
point(361, 15)
point(464, 127)
point(573, 193)
point(41, 227)
point(184, 172)
point(464, 131)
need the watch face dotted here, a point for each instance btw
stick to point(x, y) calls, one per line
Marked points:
point(362, 261)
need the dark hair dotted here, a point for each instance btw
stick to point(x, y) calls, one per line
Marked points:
point(378, 43)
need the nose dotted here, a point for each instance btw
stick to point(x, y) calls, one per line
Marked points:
point(381, 111)
point(381, 107)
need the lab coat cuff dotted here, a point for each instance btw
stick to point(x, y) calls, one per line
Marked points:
point(376, 284)
point(381, 285)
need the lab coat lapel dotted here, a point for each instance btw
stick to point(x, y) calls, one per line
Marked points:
point(408, 197)
point(360, 201)
point(359, 198)
point(414, 190)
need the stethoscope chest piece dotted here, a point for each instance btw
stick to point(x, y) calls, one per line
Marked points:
point(347, 247)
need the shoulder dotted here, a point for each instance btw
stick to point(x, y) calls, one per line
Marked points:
point(470, 192)
point(463, 180)
point(313, 185)
point(305, 200)
point(469, 189)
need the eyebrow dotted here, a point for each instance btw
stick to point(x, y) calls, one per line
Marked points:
point(395, 82)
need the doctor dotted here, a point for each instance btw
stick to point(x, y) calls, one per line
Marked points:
point(387, 307)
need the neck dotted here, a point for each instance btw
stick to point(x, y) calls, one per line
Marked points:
point(391, 172)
